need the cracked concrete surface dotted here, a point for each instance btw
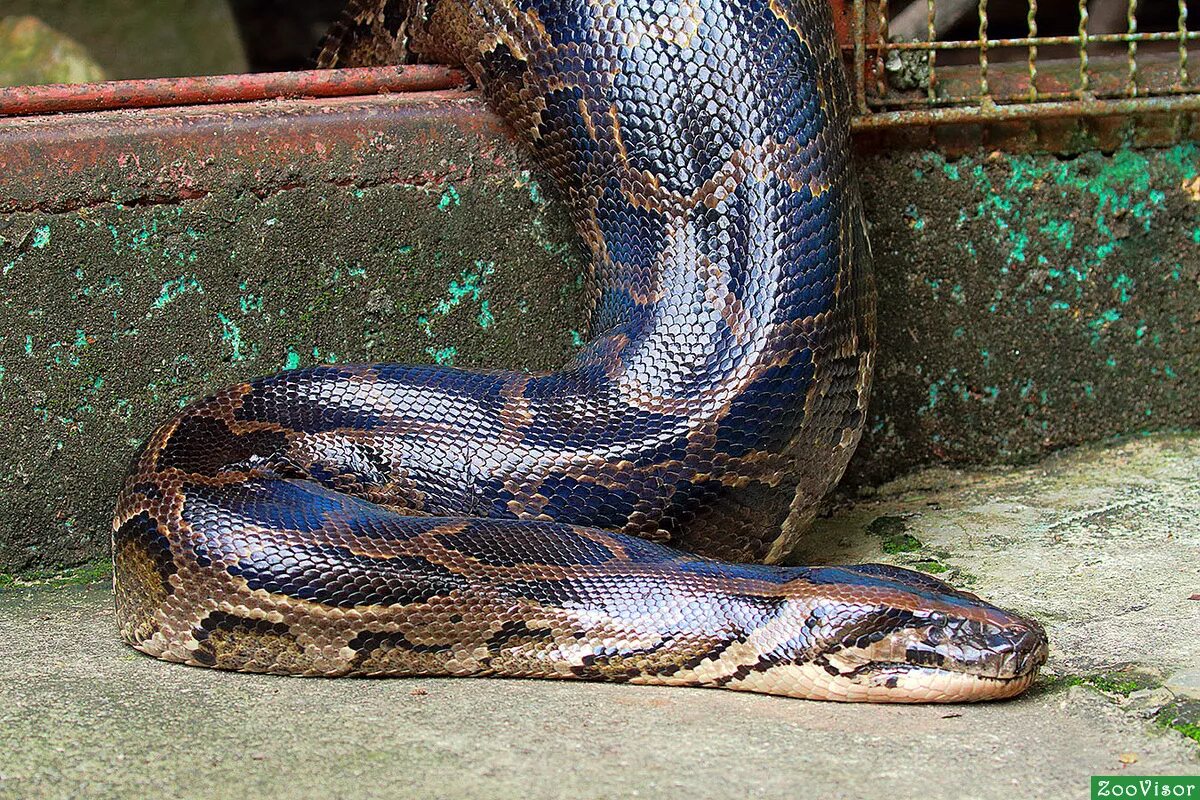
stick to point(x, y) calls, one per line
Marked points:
point(1101, 544)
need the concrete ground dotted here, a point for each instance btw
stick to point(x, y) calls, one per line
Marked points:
point(1101, 544)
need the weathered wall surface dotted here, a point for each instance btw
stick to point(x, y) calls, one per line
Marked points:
point(153, 257)
point(1026, 302)
point(1029, 302)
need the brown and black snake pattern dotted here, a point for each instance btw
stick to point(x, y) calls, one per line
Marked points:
point(415, 520)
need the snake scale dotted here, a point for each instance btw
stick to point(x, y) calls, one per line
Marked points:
point(596, 522)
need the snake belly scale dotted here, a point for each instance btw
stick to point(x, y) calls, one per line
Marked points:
point(381, 519)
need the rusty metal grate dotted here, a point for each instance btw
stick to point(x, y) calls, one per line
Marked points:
point(946, 61)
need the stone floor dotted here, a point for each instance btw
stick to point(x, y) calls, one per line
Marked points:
point(1100, 544)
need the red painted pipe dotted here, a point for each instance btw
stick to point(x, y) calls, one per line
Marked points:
point(158, 92)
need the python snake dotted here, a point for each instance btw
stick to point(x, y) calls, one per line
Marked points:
point(381, 519)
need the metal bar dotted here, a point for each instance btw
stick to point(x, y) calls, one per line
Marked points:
point(57, 163)
point(1031, 24)
point(860, 56)
point(900, 103)
point(880, 66)
point(1182, 103)
point(1131, 27)
point(931, 19)
point(1157, 75)
point(162, 92)
point(1083, 45)
point(1027, 41)
point(1183, 50)
point(983, 51)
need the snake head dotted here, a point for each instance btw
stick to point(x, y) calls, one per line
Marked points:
point(886, 634)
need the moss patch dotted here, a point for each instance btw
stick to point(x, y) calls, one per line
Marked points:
point(1117, 683)
point(93, 572)
point(893, 531)
point(1041, 302)
point(895, 539)
point(1183, 717)
point(904, 543)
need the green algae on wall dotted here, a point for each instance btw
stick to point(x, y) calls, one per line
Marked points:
point(115, 314)
point(1040, 302)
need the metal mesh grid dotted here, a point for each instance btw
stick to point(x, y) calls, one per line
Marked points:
point(912, 63)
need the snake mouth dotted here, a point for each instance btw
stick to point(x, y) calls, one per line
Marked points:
point(910, 683)
point(886, 682)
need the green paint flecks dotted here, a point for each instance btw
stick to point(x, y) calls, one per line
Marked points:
point(231, 335)
point(485, 318)
point(1063, 230)
point(468, 287)
point(449, 198)
point(442, 355)
point(327, 358)
point(913, 216)
point(935, 391)
point(249, 302)
point(525, 180)
point(1124, 285)
point(39, 239)
point(173, 289)
point(1122, 194)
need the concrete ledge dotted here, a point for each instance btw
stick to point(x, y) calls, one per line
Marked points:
point(146, 258)
point(1098, 544)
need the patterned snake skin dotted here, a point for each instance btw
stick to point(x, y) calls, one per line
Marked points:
point(415, 520)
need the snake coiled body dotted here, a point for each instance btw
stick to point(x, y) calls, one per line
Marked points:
point(415, 520)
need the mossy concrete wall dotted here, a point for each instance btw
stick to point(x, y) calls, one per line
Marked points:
point(1026, 302)
point(148, 258)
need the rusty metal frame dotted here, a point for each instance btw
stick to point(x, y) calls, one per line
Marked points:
point(164, 92)
point(1085, 85)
